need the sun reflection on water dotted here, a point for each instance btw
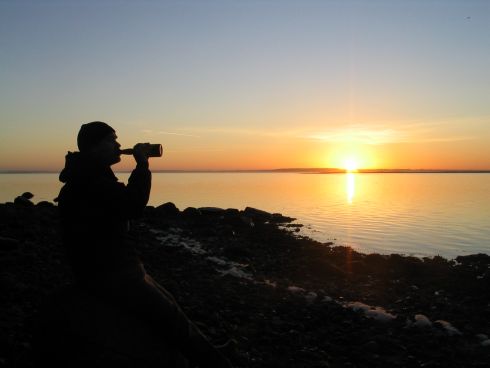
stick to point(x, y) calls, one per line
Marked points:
point(350, 186)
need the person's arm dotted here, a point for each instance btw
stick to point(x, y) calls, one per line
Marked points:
point(126, 201)
point(137, 192)
point(139, 183)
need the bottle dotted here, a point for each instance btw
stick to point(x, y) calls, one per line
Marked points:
point(155, 150)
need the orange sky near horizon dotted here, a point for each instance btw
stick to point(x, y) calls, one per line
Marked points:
point(249, 85)
point(236, 152)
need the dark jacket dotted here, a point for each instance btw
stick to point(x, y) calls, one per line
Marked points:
point(95, 210)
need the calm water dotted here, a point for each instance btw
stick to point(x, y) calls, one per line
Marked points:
point(418, 214)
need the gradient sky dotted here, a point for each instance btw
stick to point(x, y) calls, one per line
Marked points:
point(249, 84)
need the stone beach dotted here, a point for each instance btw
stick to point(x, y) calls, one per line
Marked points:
point(284, 300)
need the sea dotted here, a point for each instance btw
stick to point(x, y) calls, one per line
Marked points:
point(417, 214)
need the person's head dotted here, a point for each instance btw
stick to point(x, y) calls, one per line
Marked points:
point(99, 141)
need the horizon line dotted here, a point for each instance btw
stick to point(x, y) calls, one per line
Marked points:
point(304, 170)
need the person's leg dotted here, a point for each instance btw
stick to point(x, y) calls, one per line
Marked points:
point(149, 301)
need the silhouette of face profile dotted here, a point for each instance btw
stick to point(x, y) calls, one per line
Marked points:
point(106, 151)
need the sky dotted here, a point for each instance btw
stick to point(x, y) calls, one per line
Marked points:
point(249, 84)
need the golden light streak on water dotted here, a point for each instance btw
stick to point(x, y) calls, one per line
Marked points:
point(350, 186)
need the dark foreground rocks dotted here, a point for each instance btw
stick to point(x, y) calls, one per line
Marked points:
point(284, 300)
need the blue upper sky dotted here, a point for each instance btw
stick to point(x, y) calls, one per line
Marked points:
point(202, 74)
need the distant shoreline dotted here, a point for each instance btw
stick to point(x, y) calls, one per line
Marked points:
point(287, 170)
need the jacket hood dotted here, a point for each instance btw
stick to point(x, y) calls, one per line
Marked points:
point(79, 166)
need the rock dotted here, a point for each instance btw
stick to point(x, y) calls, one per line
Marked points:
point(27, 195)
point(447, 327)
point(482, 337)
point(167, 210)
point(311, 297)
point(150, 211)
point(237, 250)
point(191, 214)
point(473, 258)
point(296, 226)
point(372, 346)
point(213, 211)
point(422, 321)
point(376, 262)
point(296, 289)
point(23, 201)
point(232, 212)
point(278, 218)
point(257, 215)
point(45, 204)
point(231, 216)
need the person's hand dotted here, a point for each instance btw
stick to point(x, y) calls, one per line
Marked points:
point(140, 152)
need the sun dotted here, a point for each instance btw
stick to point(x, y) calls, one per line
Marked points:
point(351, 165)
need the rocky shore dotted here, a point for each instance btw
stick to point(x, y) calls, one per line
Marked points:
point(283, 299)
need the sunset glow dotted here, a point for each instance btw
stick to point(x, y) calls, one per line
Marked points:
point(250, 85)
point(351, 165)
point(350, 186)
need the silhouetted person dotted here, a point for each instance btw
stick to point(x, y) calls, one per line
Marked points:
point(95, 209)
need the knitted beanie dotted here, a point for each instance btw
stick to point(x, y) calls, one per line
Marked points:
point(92, 133)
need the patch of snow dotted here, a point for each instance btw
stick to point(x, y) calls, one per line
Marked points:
point(270, 283)
point(296, 289)
point(358, 306)
point(376, 313)
point(450, 329)
point(236, 272)
point(232, 268)
point(421, 321)
point(311, 297)
point(485, 342)
point(482, 337)
point(192, 246)
point(172, 238)
point(217, 260)
point(379, 314)
point(169, 240)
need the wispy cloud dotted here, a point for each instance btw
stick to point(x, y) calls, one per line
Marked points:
point(234, 131)
point(179, 134)
point(356, 135)
point(149, 131)
point(374, 134)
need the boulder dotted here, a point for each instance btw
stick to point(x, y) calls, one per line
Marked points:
point(150, 211)
point(45, 204)
point(27, 195)
point(167, 210)
point(191, 213)
point(23, 201)
point(257, 215)
point(232, 217)
point(76, 329)
point(232, 212)
point(211, 211)
point(278, 218)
